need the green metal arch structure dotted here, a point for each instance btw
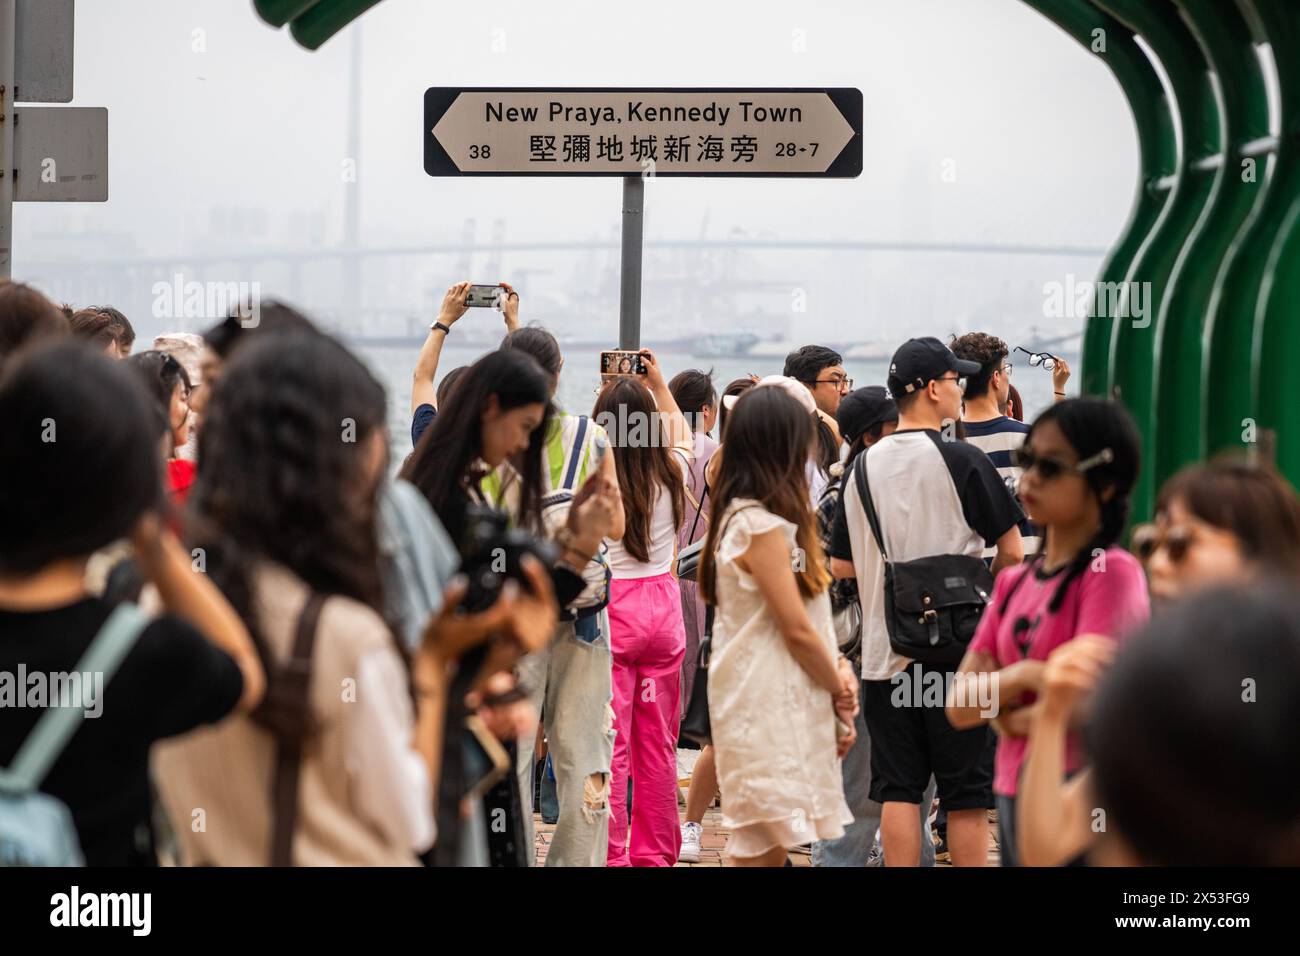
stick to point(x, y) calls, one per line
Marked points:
point(1133, 339)
point(1180, 401)
point(1275, 390)
point(1114, 44)
point(1229, 331)
point(1214, 235)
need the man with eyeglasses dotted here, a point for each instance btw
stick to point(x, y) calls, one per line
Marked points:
point(821, 371)
point(993, 433)
point(933, 495)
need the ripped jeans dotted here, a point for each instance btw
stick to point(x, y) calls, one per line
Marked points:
point(569, 683)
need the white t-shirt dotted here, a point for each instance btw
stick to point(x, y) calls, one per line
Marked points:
point(817, 481)
point(932, 497)
point(663, 537)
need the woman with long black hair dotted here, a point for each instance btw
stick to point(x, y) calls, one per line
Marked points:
point(1080, 460)
point(494, 420)
point(494, 415)
point(647, 634)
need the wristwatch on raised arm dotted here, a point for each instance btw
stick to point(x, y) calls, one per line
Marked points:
point(446, 329)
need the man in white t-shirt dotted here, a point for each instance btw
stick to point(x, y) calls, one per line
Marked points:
point(933, 495)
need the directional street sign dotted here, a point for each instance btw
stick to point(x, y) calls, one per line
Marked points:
point(61, 154)
point(628, 132)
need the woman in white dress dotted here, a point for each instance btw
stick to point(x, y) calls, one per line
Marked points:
point(780, 704)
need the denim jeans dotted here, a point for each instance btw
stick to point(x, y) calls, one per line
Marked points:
point(1008, 852)
point(569, 683)
point(854, 848)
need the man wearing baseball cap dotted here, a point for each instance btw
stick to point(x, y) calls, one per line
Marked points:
point(933, 495)
point(865, 416)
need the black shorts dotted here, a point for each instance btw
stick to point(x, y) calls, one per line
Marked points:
point(912, 739)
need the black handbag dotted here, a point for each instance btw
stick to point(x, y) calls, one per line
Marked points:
point(688, 558)
point(932, 604)
point(695, 727)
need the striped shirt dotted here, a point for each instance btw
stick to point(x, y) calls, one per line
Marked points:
point(998, 438)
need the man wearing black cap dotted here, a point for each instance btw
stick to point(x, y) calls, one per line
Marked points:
point(933, 495)
point(864, 416)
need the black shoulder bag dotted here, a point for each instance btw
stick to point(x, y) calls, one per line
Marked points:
point(688, 558)
point(696, 728)
point(932, 604)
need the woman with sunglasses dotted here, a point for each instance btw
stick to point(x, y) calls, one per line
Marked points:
point(1229, 523)
point(1080, 461)
point(1220, 523)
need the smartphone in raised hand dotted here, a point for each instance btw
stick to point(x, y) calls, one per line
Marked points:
point(616, 362)
point(484, 297)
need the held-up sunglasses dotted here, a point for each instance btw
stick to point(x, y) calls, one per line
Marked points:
point(1050, 468)
point(1150, 538)
point(1036, 359)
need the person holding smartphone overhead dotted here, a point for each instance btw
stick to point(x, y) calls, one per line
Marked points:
point(647, 634)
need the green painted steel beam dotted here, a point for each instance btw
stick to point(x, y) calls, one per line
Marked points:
point(312, 22)
point(1276, 337)
point(1227, 380)
point(1113, 43)
point(1179, 400)
point(1133, 338)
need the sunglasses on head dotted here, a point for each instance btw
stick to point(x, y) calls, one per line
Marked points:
point(1150, 538)
point(1050, 468)
point(1044, 359)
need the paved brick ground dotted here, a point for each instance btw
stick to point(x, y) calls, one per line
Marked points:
point(714, 840)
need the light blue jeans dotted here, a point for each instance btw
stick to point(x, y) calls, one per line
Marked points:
point(569, 683)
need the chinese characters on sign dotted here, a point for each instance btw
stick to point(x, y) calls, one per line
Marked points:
point(658, 132)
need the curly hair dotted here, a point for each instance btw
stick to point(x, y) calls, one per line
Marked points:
point(988, 350)
point(281, 470)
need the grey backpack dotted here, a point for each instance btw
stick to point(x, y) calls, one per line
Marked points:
point(36, 829)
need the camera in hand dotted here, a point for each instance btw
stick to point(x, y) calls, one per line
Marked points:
point(491, 553)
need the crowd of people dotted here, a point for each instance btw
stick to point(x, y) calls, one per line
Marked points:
point(235, 629)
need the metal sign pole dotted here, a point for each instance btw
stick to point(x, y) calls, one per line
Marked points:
point(8, 41)
point(629, 299)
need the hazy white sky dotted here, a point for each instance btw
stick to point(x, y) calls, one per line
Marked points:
point(1039, 134)
point(209, 106)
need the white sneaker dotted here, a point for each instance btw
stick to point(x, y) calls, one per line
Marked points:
point(690, 852)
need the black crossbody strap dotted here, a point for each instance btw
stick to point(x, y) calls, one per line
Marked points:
point(698, 508)
point(864, 492)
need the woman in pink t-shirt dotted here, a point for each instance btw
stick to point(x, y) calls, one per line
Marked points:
point(1080, 461)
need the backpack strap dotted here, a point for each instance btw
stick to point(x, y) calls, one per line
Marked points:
point(864, 492)
point(296, 675)
point(56, 725)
